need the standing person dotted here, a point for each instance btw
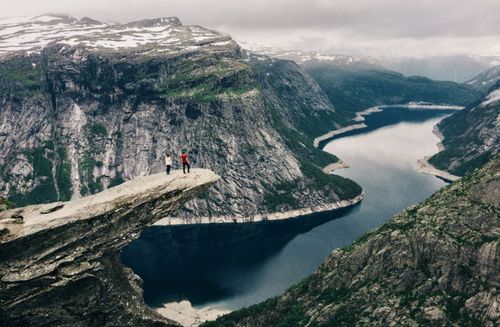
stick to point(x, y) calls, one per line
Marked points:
point(168, 162)
point(185, 161)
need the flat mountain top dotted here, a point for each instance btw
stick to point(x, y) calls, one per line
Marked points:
point(167, 35)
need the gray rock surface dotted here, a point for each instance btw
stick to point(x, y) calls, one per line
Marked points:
point(470, 137)
point(60, 263)
point(436, 263)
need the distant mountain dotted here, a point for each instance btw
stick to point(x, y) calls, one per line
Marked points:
point(434, 264)
point(86, 105)
point(471, 136)
point(486, 79)
point(356, 83)
point(456, 68)
point(150, 36)
point(302, 57)
point(355, 87)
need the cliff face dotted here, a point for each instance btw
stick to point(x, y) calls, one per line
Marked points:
point(86, 112)
point(60, 263)
point(437, 263)
point(471, 136)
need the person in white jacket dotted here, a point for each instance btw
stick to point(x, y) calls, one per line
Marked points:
point(168, 162)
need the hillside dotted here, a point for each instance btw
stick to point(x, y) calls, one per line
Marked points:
point(356, 87)
point(436, 263)
point(471, 136)
point(486, 80)
point(86, 105)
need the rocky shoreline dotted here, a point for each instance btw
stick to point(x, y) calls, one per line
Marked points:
point(360, 117)
point(185, 314)
point(424, 166)
point(334, 166)
point(292, 214)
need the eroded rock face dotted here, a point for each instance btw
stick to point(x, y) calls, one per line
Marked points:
point(87, 106)
point(60, 262)
point(437, 263)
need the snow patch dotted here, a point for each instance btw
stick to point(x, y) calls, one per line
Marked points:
point(35, 33)
point(492, 97)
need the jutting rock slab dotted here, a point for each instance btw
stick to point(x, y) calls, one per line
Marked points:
point(60, 262)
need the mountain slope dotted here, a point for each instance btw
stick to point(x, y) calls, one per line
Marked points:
point(487, 79)
point(436, 263)
point(82, 111)
point(354, 87)
point(471, 136)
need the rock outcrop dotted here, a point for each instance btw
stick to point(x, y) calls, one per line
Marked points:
point(60, 262)
point(436, 263)
point(470, 137)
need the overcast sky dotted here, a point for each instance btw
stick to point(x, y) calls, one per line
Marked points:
point(367, 27)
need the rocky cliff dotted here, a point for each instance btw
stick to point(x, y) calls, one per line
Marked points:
point(60, 263)
point(437, 263)
point(86, 105)
point(471, 136)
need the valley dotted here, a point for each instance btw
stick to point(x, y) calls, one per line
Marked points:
point(296, 156)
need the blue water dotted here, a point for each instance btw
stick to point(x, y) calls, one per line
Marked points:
point(236, 265)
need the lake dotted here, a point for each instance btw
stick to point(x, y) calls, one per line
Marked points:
point(235, 265)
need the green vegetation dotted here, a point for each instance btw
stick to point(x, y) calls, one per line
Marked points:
point(98, 130)
point(311, 160)
point(116, 181)
point(86, 168)
point(357, 87)
point(6, 204)
point(63, 175)
point(20, 78)
point(279, 195)
point(206, 81)
point(45, 191)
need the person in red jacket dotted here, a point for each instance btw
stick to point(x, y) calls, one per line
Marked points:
point(185, 161)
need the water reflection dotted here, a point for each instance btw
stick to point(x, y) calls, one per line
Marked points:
point(173, 269)
point(231, 266)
